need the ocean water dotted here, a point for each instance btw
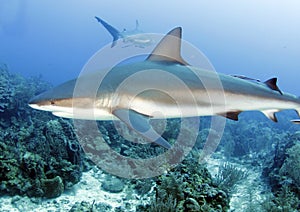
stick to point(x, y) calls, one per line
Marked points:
point(48, 163)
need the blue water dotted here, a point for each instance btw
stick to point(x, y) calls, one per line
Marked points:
point(55, 39)
point(251, 38)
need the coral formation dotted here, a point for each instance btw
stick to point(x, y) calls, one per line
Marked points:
point(228, 176)
point(6, 92)
point(40, 156)
point(189, 187)
point(282, 171)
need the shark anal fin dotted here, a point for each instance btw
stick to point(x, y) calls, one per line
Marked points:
point(272, 83)
point(169, 48)
point(113, 31)
point(231, 115)
point(271, 114)
point(140, 123)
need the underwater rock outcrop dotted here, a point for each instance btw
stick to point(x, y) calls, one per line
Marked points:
point(113, 185)
point(40, 156)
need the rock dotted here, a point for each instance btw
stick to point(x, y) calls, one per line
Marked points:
point(53, 187)
point(87, 207)
point(113, 185)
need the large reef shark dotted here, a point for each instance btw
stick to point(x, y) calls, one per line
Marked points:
point(135, 37)
point(134, 104)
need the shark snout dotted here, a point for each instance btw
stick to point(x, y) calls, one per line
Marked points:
point(40, 101)
point(33, 100)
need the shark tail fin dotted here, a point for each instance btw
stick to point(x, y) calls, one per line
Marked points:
point(113, 31)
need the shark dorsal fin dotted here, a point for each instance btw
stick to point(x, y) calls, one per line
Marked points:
point(272, 83)
point(168, 49)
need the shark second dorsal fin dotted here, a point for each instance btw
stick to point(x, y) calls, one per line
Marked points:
point(169, 48)
point(272, 83)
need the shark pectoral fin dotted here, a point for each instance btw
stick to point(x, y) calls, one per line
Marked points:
point(272, 83)
point(270, 114)
point(140, 123)
point(295, 121)
point(231, 115)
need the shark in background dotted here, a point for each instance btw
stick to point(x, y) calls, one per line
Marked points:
point(134, 37)
point(135, 108)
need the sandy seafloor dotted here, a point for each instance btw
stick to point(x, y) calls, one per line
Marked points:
point(89, 190)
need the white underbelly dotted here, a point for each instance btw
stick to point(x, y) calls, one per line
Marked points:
point(86, 114)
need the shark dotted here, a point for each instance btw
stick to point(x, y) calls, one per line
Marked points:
point(135, 37)
point(163, 86)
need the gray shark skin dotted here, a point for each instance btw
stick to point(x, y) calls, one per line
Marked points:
point(135, 36)
point(153, 93)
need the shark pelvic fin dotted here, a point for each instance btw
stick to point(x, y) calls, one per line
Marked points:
point(298, 111)
point(272, 83)
point(113, 31)
point(271, 114)
point(169, 48)
point(296, 121)
point(140, 123)
point(231, 115)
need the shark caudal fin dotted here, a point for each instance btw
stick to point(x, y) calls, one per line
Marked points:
point(113, 31)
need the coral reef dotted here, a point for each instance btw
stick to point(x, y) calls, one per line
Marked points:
point(6, 92)
point(188, 187)
point(228, 176)
point(282, 171)
point(40, 156)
